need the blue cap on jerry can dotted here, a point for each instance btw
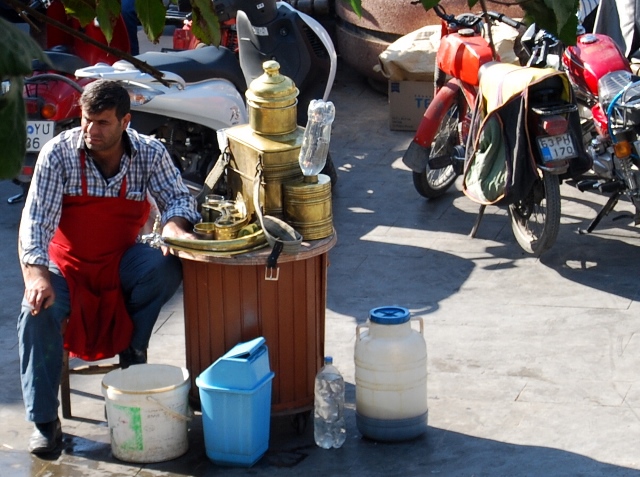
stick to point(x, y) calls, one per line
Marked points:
point(389, 315)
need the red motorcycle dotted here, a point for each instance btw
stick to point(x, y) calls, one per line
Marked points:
point(608, 97)
point(512, 132)
point(52, 92)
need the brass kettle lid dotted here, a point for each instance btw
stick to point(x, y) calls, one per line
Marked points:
point(272, 87)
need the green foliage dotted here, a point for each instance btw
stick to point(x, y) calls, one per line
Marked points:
point(16, 55)
point(18, 50)
point(205, 25)
point(556, 16)
point(107, 11)
point(356, 6)
point(429, 4)
point(152, 16)
point(83, 10)
point(13, 134)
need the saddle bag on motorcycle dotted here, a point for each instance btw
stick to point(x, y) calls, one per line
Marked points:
point(502, 160)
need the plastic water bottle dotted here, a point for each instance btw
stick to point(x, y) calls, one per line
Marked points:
point(317, 134)
point(329, 428)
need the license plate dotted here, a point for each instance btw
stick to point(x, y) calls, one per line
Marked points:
point(38, 133)
point(555, 148)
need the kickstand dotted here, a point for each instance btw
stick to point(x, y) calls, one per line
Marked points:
point(608, 207)
point(474, 230)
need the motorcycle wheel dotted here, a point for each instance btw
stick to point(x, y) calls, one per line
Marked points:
point(535, 220)
point(433, 183)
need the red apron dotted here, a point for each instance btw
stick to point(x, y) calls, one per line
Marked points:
point(93, 234)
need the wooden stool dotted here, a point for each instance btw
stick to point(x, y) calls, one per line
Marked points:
point(65, 387)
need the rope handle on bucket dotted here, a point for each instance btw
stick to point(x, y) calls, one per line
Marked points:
point(171, 412)
point(419, 318)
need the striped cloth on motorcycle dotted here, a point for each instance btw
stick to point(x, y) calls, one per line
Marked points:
point(501, 82)
point(499, 167)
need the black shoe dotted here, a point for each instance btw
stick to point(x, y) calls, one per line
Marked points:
point(131, 356)
point(46, 437)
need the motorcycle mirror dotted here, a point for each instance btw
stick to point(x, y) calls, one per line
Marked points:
point(528, 37)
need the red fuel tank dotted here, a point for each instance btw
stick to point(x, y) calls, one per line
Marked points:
point(592, 57)
point(461, 56)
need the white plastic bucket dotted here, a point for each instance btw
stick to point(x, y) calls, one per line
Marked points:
point(391, 376)
point(147, 412)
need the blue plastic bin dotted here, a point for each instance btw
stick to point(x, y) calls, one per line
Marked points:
point(235, 396)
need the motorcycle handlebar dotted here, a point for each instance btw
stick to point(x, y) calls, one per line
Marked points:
point(471, 19)
point(501, 17)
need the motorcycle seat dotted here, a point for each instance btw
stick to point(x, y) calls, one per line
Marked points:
point(200, 64)
point(62, 62)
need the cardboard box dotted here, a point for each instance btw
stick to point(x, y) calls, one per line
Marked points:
point(408, 101)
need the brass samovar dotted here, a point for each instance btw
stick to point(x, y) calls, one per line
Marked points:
point(266, 152)
point(269, 144)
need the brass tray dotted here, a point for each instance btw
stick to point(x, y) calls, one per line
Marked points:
point(240, 244)
point(209, 253)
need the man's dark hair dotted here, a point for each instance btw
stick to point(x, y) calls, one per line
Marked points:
point(102, 95)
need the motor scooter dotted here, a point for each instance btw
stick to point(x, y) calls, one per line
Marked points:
point(608, 97)
point(52, 92)
point(510, 131)
point(204, 87)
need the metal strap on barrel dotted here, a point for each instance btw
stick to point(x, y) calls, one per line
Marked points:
point(214, 175)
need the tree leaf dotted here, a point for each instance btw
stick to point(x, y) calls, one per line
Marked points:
point(429, 4)
point(152, 17)
point(18, 50)
point(356, 6)
point(556, 16)
point(107, 13)
point(13, 133)
point(83, 10)
point(205, 25)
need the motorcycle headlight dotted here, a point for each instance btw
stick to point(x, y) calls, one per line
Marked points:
point(623, 90)
point(141, 94)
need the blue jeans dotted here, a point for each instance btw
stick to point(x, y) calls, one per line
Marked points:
point(130, 17)
point(148, 281)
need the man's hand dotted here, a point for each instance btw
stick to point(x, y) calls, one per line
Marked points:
point(177, 227)
point(38, 290)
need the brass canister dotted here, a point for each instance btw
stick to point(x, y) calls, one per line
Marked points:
point(307, 207)
point(272, 102)
point(278, 157)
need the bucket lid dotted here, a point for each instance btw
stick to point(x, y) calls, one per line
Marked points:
point(241, 368)
point(389, 315)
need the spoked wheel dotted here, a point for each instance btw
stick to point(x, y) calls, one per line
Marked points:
point(535, 220)
point(433, 182)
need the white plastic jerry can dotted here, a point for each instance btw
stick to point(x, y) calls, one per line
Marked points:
point(391, 376)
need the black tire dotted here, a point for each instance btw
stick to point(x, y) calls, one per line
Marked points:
point(535, 220)
point(433, 183)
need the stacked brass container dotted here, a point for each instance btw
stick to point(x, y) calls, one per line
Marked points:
point(272, 141)
point(307, 206)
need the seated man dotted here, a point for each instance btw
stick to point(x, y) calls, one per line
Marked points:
point(89, 286)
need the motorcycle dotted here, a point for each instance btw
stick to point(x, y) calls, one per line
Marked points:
point(52, 92)
point(608, 97)
point(203, 88)
point(510, 131)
